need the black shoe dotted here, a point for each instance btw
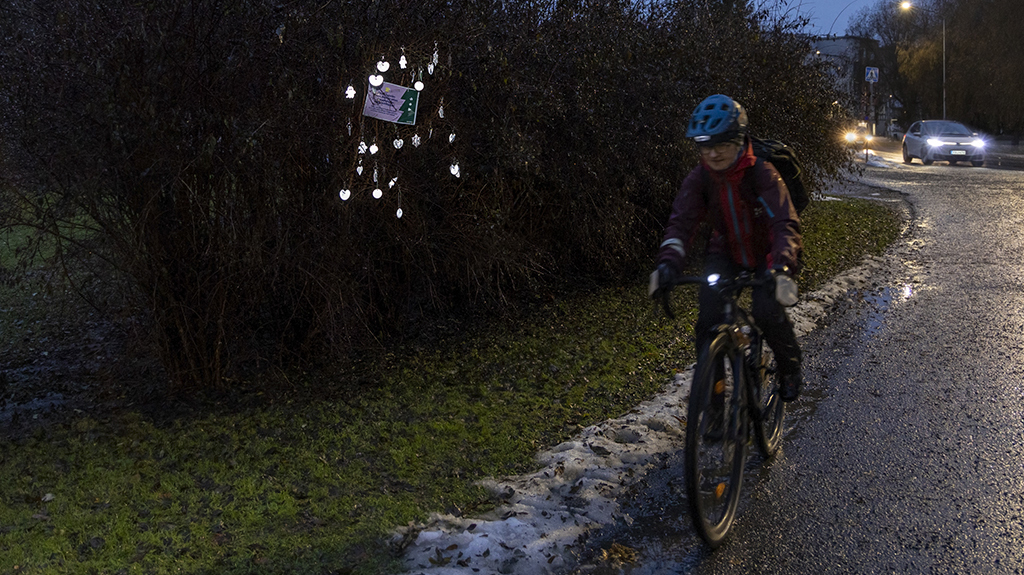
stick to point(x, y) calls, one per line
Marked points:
point(791, 384)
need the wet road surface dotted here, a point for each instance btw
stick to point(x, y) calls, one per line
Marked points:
point(906, 452)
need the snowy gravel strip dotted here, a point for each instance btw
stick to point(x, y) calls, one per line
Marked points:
point(545, 513)
point(811, 307)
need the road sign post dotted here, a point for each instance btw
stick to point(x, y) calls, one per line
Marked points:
point(871, 77)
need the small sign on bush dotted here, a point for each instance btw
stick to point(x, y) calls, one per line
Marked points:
point(391, 103)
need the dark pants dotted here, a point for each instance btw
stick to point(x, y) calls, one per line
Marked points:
point(769, 315)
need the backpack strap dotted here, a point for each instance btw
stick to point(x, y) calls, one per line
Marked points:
point(748, 177)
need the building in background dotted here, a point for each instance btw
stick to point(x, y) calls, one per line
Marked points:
point(849, 58)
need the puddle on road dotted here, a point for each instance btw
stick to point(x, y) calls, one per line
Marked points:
point(879, 303)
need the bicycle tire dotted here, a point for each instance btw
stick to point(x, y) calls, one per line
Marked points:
point(768, 397)
point(714, 461)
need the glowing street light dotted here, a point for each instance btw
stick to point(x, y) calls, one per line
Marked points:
point(907, 6)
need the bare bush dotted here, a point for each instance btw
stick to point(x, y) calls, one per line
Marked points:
point(200, 148)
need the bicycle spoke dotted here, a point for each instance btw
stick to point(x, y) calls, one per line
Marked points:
point(716, 468)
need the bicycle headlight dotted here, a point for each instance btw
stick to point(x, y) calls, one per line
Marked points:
point(713, 279)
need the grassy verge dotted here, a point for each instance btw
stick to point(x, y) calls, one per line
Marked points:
point(311, 480)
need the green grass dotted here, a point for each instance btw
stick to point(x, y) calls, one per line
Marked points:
point(11, 240)
point(37, 246)
point(314, 480)
point(838, 234)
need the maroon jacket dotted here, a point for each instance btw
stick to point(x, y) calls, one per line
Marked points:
point(753, 227)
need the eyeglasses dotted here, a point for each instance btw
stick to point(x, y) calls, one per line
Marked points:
point(720, 148)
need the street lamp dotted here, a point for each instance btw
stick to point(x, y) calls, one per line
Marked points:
point(908, 6)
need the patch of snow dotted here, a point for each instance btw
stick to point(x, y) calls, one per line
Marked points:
point(877, 161)
point(546, 512)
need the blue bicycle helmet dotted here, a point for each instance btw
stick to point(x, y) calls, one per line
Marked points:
point(717, 119)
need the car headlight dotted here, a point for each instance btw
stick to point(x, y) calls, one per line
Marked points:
point(851, 137)
point(868, 138)
point(934, 142)
point(979, 143)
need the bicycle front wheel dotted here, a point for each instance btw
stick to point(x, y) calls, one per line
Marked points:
point(716, 440)
point(769, 400)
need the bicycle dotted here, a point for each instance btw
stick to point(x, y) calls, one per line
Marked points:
point(721, 413)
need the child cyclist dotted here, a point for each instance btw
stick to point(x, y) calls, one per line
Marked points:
point(754, 225)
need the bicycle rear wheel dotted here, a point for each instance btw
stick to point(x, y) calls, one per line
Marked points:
point(716, 440)
point(773, 409)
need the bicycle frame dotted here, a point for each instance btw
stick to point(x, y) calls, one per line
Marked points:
point(734, 319)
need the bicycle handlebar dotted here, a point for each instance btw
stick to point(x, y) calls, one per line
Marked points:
point(744, 279)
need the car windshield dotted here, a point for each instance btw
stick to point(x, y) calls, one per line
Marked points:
point(946, 129)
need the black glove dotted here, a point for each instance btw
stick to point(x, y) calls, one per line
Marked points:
point(663, 279)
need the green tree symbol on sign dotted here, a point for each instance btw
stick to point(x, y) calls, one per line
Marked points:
point(409, 102)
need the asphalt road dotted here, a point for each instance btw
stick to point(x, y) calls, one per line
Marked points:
point(906, 453)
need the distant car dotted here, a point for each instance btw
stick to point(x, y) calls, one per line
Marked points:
point(859, 136)
point(944, 141)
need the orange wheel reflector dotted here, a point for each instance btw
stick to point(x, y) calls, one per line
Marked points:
point(720, 490)
point(720, 386)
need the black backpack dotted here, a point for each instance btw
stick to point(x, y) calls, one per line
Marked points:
point(786, 163)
